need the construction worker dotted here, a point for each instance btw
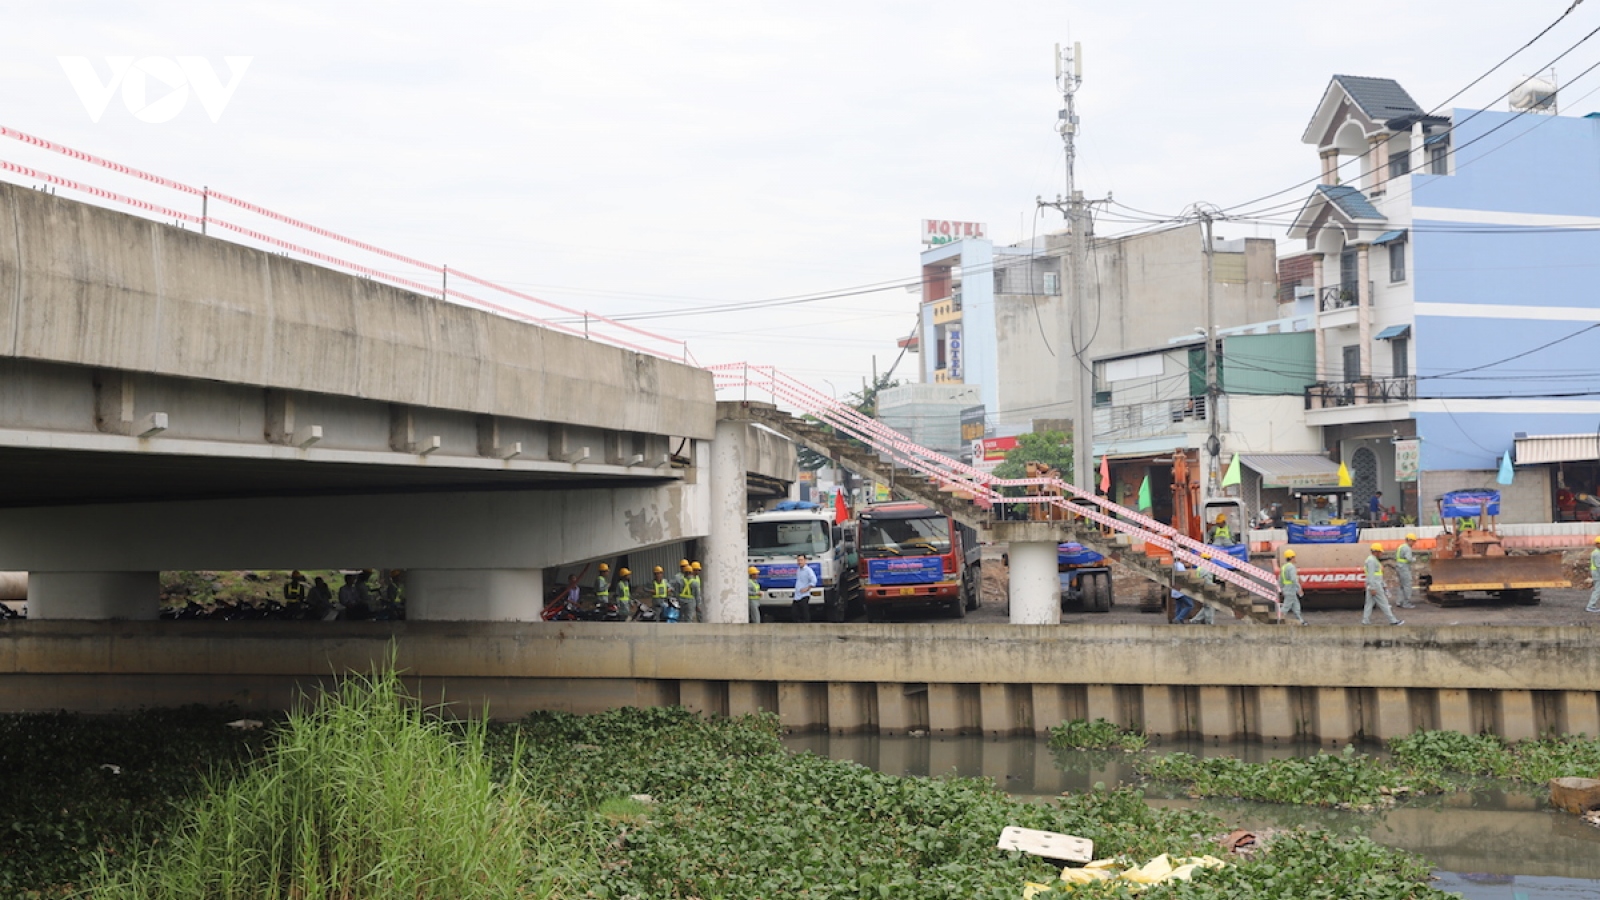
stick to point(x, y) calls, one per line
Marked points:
point(678, 580)
point(694, 612)
point(1205, 615)
point(1404, 557)
point(660, 594)
point(1289, 586)
point(1376, 595)
point(1594, 576)
point(1182, 604)
point(1221, 534)
point(602, 586)
point(624, 593)
point(754, 593)
point(294, 591)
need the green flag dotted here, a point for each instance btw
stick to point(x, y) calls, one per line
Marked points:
point(1232, 475)
point(1144, 494)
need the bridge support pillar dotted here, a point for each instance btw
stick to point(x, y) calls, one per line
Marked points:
point(727, 544)
point(94, 595)
point(1035, 586)
point(474, 595)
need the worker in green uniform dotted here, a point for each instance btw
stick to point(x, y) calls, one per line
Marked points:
point(660, 594)
point(602, 585)
point(1221, 534)
point(699, 611)
point(1594, 576)
point(1376, 595)
point(1404, 558)
point(1289, 587)
point(1206, 615)
point(754, 589)
point(623, 590)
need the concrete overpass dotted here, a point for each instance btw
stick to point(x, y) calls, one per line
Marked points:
point(172, 401)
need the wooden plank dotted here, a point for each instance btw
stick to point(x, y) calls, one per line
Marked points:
point(1047, 844)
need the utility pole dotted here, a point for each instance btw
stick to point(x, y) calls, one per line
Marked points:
point(1213, 394)
point(1069, 76)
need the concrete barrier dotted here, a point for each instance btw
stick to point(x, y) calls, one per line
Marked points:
point(1327, 684)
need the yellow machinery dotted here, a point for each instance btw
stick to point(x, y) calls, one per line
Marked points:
point(1470, 557)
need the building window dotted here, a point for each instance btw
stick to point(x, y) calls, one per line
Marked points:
point(1439, 159)
point(1052, 283)
point(1397, 261)
point(1400, 164)
point(1401, 348)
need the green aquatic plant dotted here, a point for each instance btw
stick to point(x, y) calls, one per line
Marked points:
point(1347, 780)
point(1081, 734)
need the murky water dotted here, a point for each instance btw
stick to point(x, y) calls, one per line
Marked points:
point(1487, 844)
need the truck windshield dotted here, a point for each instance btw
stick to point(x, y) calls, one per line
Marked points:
point(788, 538)
point(905, 537)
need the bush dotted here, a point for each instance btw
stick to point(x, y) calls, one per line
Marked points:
point(363, 796)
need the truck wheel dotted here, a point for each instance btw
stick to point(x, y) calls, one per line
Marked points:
point(971, 582)
point(1096, 592)
point(833, 609)
point(958, 605)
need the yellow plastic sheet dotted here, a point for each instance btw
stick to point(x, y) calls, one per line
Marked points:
point(1157, 871)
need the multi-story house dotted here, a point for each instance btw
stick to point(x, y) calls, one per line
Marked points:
point(1453, 267)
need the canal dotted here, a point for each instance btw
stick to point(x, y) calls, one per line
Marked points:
point(1500, 843)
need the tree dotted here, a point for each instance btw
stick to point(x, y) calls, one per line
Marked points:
point(1053, 448)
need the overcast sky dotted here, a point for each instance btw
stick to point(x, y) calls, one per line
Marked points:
point(630, 157)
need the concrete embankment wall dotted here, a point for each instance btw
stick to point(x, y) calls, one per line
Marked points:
point(1328, 684)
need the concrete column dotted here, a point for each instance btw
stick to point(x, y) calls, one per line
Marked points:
point(94, 595)
point(1330, 166)
point(1277, 714)
point(1455, 710)
point(1035, 587)
point(1364, 308)
point(1582, 717)
point(474, 595)
point(1517, 718)
point(727, 545)
point(1394, 713)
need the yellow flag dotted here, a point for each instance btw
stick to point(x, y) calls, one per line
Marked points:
point(1344, 476)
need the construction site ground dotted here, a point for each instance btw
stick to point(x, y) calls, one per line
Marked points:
point(1558, 606)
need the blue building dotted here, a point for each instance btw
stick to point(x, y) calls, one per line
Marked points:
point(1455, 274)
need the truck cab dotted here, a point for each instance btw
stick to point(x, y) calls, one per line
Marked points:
point(776, 538)
point(913, 555)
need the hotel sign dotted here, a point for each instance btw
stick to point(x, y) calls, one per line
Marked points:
point(943, 231)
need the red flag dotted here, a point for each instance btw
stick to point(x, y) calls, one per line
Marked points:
point(840, 512)
point(1105, 475)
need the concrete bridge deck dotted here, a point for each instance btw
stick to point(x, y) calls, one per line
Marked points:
point(1330, 684)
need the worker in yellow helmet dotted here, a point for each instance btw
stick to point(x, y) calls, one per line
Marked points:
point(1376, 595)
point(1289, 587)
point(1206, 614)
point(1221, 534)
point(660, 594)
point(602, 585)
point(754, 593)
point(1404, 558)
point(1594, 576)
point(693, 610)
point(623, 590)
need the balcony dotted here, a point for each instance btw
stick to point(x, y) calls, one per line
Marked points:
point(1157, 418)
point(948, 309)
point(1334, 394)
point(1341, 296)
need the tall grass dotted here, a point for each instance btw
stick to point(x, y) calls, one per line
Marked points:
point(363, 795)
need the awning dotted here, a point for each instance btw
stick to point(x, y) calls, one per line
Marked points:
point(1393, 331)
point(1292, 470)
point(1388, 236)
point(1552, 448)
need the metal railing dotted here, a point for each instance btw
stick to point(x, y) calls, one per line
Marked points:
point(1154, 418)
point(1345, 295)
point(984, 489)
point(1333, 394)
